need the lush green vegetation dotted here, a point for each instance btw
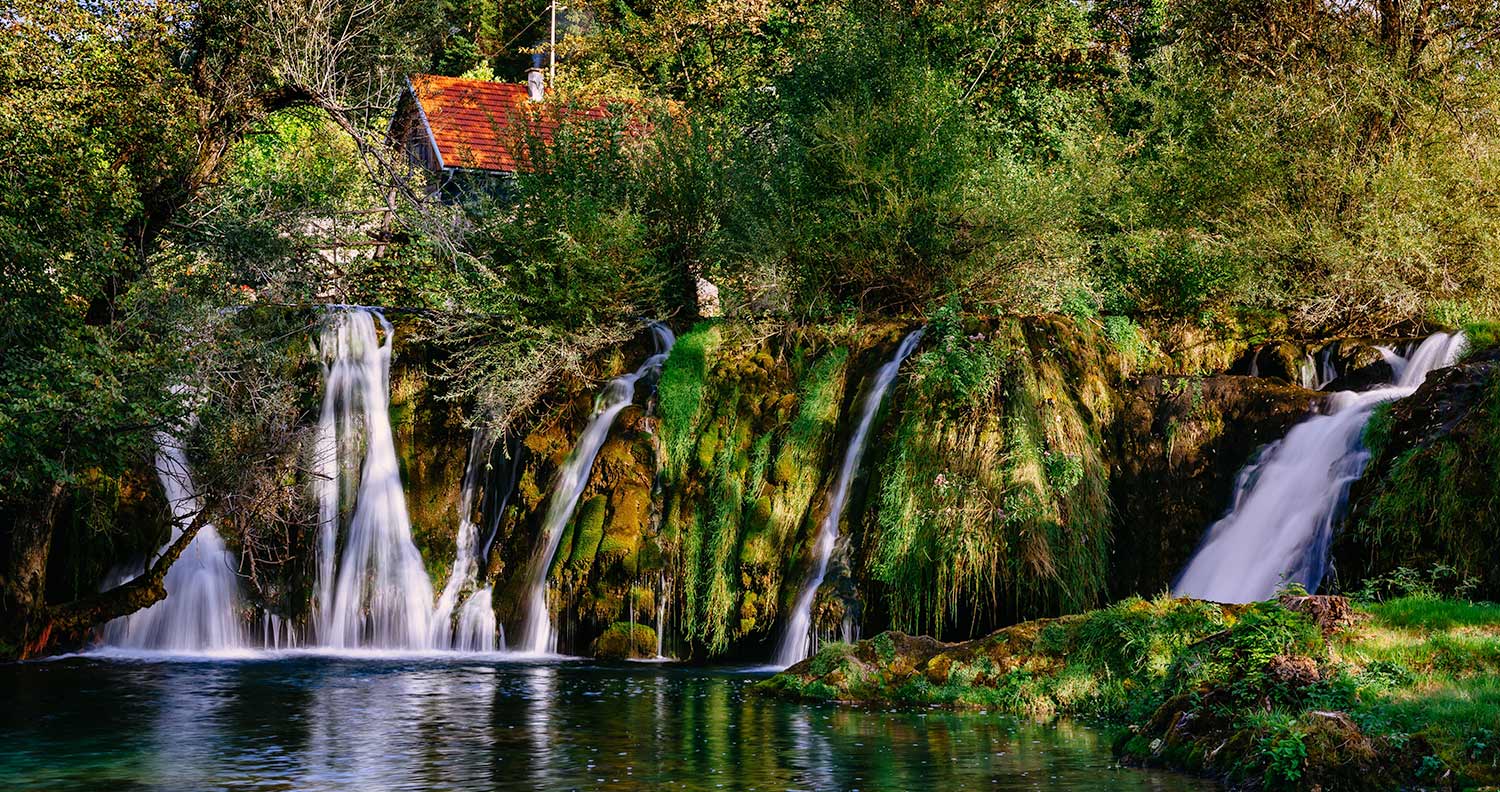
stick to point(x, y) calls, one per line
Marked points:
point(1318, 169)
point(1305, 693)
point(740, 438)
point(992, 501)
point(1429, 493)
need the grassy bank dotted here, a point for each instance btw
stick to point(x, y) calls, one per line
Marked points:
point(1304, 693)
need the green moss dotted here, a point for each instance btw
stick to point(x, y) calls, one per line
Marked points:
point(1007, 495)
point(623, 641)
point(1481, 336)
point(1377, 431)
point(1436, 499)
point(1408, 694)
point(588, 533)
point(1127, 340)
point(681, 391)
point(564, 550)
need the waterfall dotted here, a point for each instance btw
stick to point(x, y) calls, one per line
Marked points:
point(663, 592)
point(1307, 371)
point(466, 562)
point(1280, 524)
point(381, 595)
point(476, 623)
point(538, 633)
point(797, 641)
point(201, 611)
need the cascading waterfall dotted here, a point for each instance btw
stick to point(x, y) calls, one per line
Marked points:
point(380, 595)
point(797, 641)
point(538, 634)
point(201, 611)
point(1280, 525)
point(476, 623)
point(466, 562)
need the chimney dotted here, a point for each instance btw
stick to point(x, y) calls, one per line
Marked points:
point(534, 89)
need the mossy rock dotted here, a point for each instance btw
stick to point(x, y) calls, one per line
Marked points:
point(588, 533)
point(625, 641)
point(630, 508)
point(1430, 495)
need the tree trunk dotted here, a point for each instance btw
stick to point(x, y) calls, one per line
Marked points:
point(71, 622)
point(24, 586)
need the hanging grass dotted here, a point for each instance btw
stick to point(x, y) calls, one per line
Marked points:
point(680, 393)
point(994, 500)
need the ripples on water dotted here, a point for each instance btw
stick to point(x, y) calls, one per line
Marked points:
point(326, 723)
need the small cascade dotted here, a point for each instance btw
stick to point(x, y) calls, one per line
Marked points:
point(1280, 525)
point(663, 592)
point(1326, 371)
point(538, 633)
point(476, 624)
point(278, 632)
point(1307, 371)
point(201, 611)
point(380, 595)
point(797, 640)
point(466, 561)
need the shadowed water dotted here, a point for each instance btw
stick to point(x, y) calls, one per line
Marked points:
point(465, 723)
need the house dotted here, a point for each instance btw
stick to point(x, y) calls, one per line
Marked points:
point(474, 136)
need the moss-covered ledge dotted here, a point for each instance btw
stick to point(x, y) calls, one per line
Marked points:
point(1304, 693)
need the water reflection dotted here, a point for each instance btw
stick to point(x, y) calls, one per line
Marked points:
point(317, 723)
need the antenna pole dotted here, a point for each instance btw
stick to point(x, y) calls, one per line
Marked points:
point(552, 46)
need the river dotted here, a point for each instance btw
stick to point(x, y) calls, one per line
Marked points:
point(322, 722)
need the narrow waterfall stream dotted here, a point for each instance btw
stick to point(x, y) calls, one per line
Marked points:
point(1280, 525)
point(465, 569)
point(201, 612)
point(797, 641)
point(380, 596)
point(538, 634)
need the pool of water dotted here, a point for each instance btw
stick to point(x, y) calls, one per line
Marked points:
point(463, 723)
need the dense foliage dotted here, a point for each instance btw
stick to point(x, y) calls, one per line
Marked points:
point(1335, 165)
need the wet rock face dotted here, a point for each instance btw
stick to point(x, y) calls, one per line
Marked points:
point(1360, 365)
point(704, 506)
point(432, 446)
point(1342, 364)
point(1179, 444)
point(1430, 494)
point(1074, 469)
point(1282, 360)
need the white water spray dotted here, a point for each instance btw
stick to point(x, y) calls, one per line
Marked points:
point(381, 596)
point(538, 634)
point(1280, 525)
point(797, 641)
point(201, 612)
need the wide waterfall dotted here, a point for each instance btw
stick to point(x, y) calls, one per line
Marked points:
point(380, 595)
point(538, 633)
point(201, 612)
point(1280, 525)
point(797, 641)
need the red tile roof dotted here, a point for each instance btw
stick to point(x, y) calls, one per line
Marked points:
point(487, 125)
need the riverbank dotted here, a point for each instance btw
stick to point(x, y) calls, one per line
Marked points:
point(1303, 693)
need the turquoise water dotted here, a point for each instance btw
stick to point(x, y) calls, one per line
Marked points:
point(330, 723)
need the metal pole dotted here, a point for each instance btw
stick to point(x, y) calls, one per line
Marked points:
point(552, 47)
